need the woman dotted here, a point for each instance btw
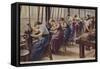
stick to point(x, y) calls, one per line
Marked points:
point(73, 31)
point(38, 48)
point(56, 39)
point(87, 25)
point(66, 29)
point(66, 33)
point(88, 29)
point(81, 26)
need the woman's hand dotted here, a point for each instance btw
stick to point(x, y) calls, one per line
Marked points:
point(36, 32)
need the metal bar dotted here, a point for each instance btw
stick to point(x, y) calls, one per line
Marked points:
point(42, 15)
point(68, 11)
point(61, 12)
point(52, 12)
point(29, 14)
point(79, 12)
point(38, 13)
point(58, 13)
point(64, 13)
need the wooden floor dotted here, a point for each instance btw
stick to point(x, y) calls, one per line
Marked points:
point(71, 53)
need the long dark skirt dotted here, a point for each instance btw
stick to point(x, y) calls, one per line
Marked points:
point(39, 48)
point(67, 33)
point(57, 41)
point(73, 31)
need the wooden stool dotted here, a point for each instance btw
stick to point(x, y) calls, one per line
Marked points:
point(24, 55)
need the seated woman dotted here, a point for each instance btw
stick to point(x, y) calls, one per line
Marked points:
point(66, 29)
point(56, 39)
point(81, 26)
point(73, 32)
point(87, 25)
point(42, 34)
point(88, 29)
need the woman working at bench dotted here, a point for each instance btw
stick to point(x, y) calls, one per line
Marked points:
point(41, 32)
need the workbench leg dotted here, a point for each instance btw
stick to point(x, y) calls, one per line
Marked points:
point(81, 51)
point(50, 52)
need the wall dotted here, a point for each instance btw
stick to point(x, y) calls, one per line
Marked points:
point(33, 14)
